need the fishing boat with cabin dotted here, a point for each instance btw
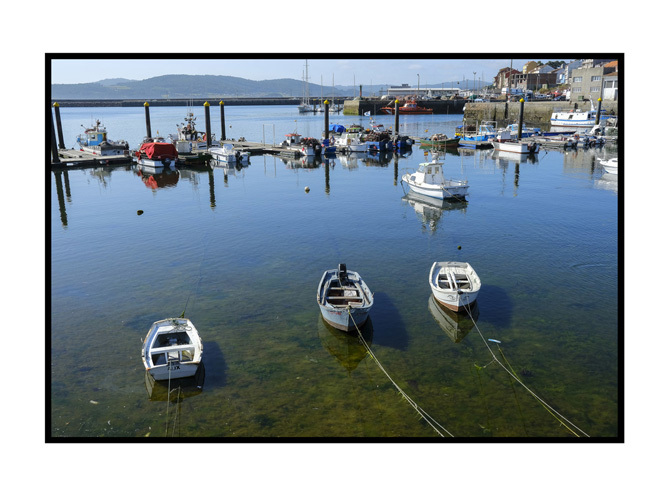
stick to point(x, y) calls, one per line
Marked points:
point(95, 141)
point(429, 180)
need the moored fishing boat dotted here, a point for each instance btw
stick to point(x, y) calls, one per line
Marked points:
point(188, 138)
point(455, 285)
point(94, 140)
point(504, 143)
point(157, 154)
point(172, 349)
point(578, 118)
point(409, 107)
point(429, 180)
point(344, 298)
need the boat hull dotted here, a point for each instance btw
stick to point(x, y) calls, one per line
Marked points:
point(172, 349)
point(175, 371)
point(344, 304)
point(515, 147)
point(455, 285)
point(456, 189)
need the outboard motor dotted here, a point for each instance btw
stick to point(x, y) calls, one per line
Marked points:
point(341, 274)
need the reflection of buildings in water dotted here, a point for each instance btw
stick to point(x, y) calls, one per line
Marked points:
point(430, 210)
point(161, 179)
point(176, 390)
point(345, 346)
point(455, 325)
point(608, 182)
point(584, 160)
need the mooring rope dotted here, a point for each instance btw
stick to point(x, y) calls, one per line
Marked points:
point(430, 421)
point(199, 279)
point(557, 415)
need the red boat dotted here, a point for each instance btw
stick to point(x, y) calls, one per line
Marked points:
point(410, 107)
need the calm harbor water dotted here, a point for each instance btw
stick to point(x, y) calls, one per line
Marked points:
point(241, 251)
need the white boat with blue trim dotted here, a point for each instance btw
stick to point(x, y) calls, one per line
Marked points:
point(172, 349)
point(95, 141)
point(344, 298)
point(229, 154)
point(578, 118)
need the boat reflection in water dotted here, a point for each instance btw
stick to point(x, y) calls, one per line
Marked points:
point(346, 347)
point(158, 178)
point(176, 390)
point(430, 210)
point(455, 325)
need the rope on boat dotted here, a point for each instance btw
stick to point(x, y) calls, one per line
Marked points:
point(430, 421)
point(557, 415)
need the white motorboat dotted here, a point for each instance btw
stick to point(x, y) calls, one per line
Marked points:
point(229, 154)
point(610, 166)
point(429, 180)
point(344, 298)
point(172, 349)
point(350, 142)
point(454, 285)
point(578, 118)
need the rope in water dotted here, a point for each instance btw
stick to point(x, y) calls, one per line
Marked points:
point(557, 415)
point(430, 421)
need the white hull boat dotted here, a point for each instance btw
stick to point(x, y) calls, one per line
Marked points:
point(95, 141)
point(429, 180)
point(350, 142)
point(455, 285)
point(504, 142)
point(227, 153)
point(344, 298)
point(610, 166)
point(172, 349)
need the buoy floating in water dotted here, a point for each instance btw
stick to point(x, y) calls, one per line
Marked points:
point(306, 189)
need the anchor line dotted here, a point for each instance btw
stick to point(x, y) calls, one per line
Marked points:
point(199, 279)
point(557, 415)
point(430, 421)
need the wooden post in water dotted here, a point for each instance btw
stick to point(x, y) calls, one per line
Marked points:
point(54, 148)
point(59, 126)
point(207, 123)
point(222, 121)
point(326, 142)
point(520, 119)
point(599, 110)
point(397, 118)
point(148, 119)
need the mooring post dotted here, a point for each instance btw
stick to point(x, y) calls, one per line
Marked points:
point(520, 119)
point(397, 118)
point(222, 121)
point(54, 148)
point(207, 123)
point(326, 141)
point(148, 119)
point(599, 110)
point(59, 126)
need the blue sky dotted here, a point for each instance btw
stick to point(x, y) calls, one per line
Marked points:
point(344, 70)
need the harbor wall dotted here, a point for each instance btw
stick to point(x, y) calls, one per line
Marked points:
point(535, 113)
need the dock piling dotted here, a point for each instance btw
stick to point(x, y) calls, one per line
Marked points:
point(599, 110)
point(223, 121)
point(59, 127)
point(520, 119)
point(54, 148)
point(148, 119)
point(397, 118)
point(207, 122)
point(327, 123)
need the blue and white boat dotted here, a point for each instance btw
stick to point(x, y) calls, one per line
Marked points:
point(578, 118)
point(344, 298)
point(480, 138)
point(527, 131)
point(94, 140)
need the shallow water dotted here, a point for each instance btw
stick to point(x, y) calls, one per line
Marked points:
point(242, 253)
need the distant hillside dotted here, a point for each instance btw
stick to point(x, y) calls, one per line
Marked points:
point(187, 86)
point(197, 87)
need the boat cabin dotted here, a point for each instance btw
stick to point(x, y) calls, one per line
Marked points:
point(429, 173)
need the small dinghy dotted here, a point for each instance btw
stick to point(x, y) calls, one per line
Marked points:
point(454, 285)
point(172, 349)
point(344, 298)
